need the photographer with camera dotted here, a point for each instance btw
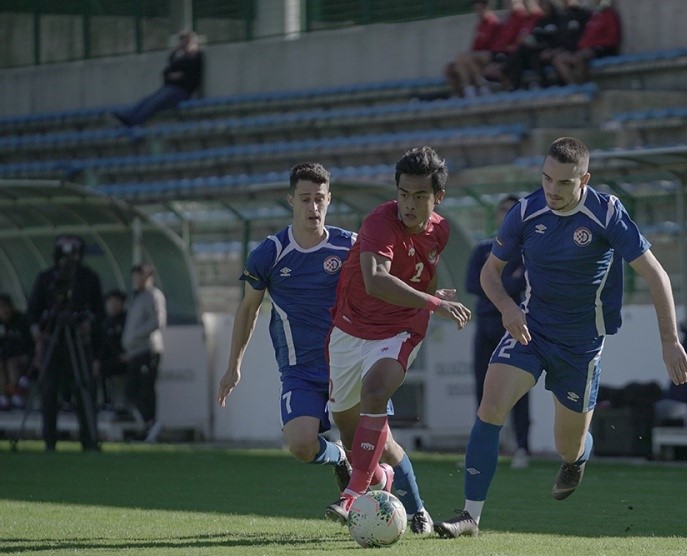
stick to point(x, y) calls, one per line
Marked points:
point(66, 312)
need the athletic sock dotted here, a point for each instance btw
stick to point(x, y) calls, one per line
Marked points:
point(368, 446)
point(405, 486)
point(480, 460)
point(378, 479)
point(474, 508)
point(588, 445)
point(328, 454)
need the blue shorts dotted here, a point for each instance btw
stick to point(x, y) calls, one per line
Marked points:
point(304, 398)
point(572, 373)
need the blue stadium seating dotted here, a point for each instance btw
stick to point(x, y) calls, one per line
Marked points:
point(320, 117)
point(73, 167)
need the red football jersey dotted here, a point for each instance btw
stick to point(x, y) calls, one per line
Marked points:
point(414, 258)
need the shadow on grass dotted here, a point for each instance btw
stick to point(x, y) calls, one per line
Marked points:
point(615, 500)
point(225, 540)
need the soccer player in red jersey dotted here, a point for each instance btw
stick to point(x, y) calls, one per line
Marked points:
point(386, 292)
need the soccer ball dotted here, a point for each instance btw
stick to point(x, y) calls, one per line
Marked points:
point(377, 518)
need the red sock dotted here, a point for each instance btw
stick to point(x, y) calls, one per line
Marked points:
point(368, 446)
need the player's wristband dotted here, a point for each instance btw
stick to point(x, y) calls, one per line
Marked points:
point(433, 303)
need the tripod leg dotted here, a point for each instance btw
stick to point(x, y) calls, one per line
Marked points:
point(79, 366)
point(40, 382)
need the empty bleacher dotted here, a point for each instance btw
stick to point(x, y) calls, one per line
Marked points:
point(214, 148)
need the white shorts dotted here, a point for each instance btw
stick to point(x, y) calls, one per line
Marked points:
point(350, 359)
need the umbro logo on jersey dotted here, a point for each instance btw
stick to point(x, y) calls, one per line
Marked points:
point(573, 397)
point(249, 275)
point(540, 228)
point(367, 446)
point(582, 237)
point(285, 272)
point(432, 256)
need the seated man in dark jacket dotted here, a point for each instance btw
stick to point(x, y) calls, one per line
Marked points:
point(182, 77)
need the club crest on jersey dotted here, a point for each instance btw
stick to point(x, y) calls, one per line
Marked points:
point(411, 251)
point(582, 237)
point(332, 264)
point(432, 256)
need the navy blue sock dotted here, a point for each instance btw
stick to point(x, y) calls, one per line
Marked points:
point(328, 454)
point(480, 459)
point(588, 445)
point(405, 486)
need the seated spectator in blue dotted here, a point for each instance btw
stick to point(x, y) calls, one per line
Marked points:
point(16, 349)
point(601, 37)
point(182, 77)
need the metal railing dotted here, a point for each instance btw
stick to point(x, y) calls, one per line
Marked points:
point(46, 31)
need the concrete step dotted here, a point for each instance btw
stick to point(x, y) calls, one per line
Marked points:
point(611, 102)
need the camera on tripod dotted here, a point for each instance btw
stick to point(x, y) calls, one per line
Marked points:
point(67, 256)
point(66, 303)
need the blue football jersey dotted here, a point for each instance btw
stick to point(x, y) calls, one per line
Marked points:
point(573, 261)
point(302, 287)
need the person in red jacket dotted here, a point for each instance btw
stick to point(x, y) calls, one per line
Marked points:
point(523, 16)
point(464, 74)
point(601, 37)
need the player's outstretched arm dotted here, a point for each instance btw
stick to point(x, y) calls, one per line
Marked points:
point(380, 283)
point(244, 323)
point(674, 355)
point(511, 315)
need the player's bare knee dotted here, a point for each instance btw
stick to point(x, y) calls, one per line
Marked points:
point(303, 450)
point(393, 452)
point(491, 413)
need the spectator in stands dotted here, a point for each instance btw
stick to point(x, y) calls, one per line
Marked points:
point(521, 19)
point(181, 78)
point(541, 40)
point(574, 17)
point(601, 37)
point(490, 328)
point(143, 346)
point(464, 74)
point(16, 348)
point(112, 360)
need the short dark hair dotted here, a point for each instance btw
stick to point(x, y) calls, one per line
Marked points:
point(569, 150)
point(144, 268)
point(308, 171)
point(119, 294)
point(424, 161)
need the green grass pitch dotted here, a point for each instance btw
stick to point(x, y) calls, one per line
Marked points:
point(188, 500)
